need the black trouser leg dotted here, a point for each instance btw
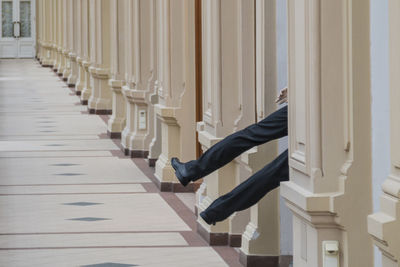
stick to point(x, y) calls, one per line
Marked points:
point(250, 191)
point(272, 127)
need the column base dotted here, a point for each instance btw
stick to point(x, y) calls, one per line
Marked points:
point(176, 187)
point(114, 135)
point(265, 261)
point(235, 240)
point(213, 239)
point(78, 92)
point(71, 85)
point(152, 162)
point(84, 102)
point(138, 153)
point(46, 63)
point(99, 111)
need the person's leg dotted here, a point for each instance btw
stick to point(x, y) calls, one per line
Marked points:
point(272, 127)
point(250, 191)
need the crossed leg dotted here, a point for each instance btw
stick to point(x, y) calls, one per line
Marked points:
point(250, 191)
point(272, 127)
point(254, 188)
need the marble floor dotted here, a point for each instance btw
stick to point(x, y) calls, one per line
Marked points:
point(68, 196)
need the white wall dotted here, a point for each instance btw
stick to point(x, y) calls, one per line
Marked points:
point(380, 101)
point(281, 24)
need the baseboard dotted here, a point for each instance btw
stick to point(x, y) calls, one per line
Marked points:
point(265, 261)
point(99, 111)
point(139, 154)
point(235, 240)
point(114, 135)
point(213, 239)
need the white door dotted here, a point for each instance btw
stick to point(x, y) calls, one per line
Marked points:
point(17, 31)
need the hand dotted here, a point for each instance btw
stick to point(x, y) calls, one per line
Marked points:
point(282, 97)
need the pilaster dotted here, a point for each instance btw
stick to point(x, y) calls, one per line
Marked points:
point(152, 96)
point(87, 89)
point(384, 226)
point(39, 11)
point(66, 39)
point(78, 34)
point(155, 144)
point(45, 45)
point(55, 57)
point(99, 17)
point(175, 82)
point(100, 99)
point(170, 147)
point(67, 64)
point(84, 56)
point(80, 84)
point(54, 36)
point(60, 40)
point(46, 58)
point(135, 132)
point(73, 34)
point(61, 61)
point(72, 78)
point(261, 240)
point(139, 132)
point(214, 185)
point(329, 191)
point(117, 122)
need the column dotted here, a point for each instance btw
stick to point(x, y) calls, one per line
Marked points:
point(61, 36)
point(329, 191)
point(80, 81)
point(54, 52)
point(154, 122)
point(118, 34)
point(175, 88)
point(87, 52)
point(45, 46)
point(39, 13)
point(261, 240)
point(228, 104)
point(100, 101)
point(138, 133)
point(384, 225)
point(73, 42)
point(67, 39)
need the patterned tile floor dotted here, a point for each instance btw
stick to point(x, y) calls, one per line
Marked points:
point(68, 197)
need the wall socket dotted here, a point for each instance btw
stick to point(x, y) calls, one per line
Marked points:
point(331, 255)
point(142, 119)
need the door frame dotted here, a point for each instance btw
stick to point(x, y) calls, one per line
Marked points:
point(16, 42)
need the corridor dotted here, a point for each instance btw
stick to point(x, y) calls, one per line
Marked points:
point(68, 195)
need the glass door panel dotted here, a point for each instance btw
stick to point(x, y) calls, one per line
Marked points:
point(25, 18)
point(7, 23)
